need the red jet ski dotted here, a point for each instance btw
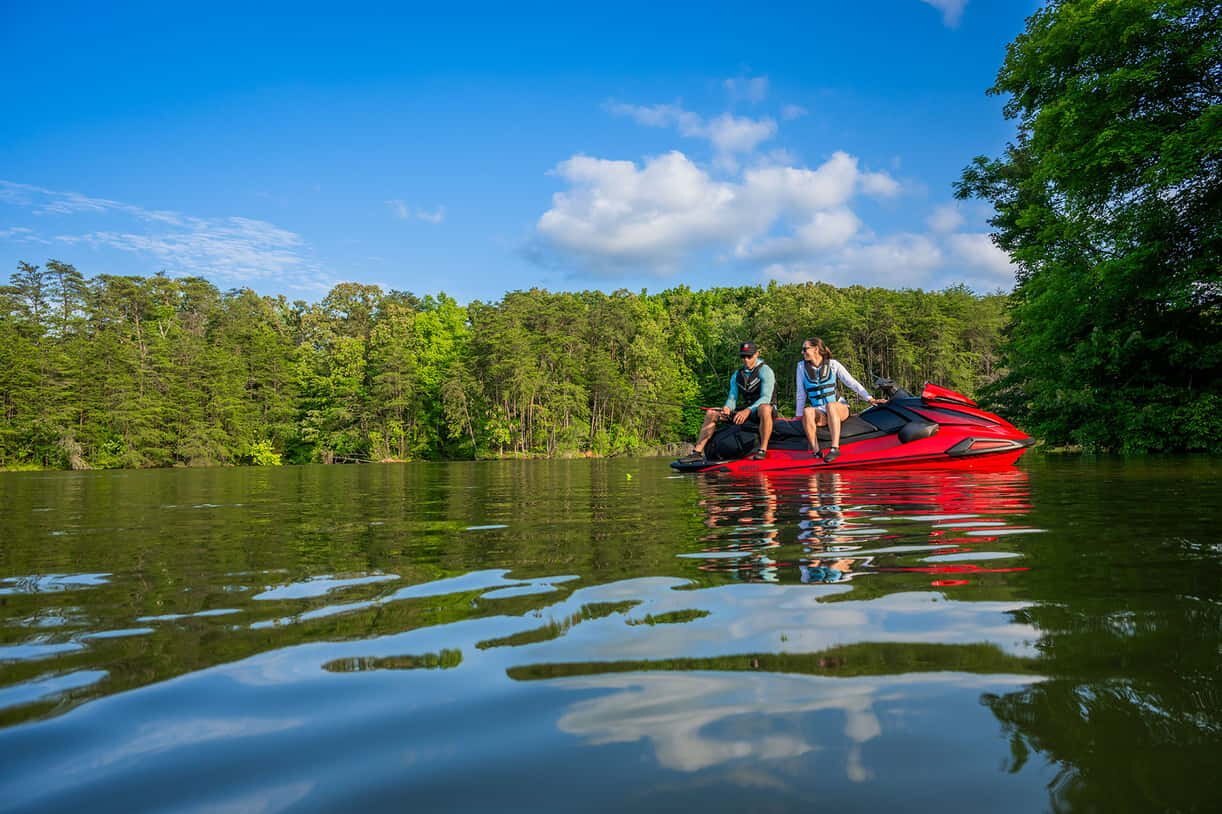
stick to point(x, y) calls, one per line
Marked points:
point(941, 429)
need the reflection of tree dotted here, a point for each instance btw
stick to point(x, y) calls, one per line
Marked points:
point(1135, 715)
point(866, 658)
point(1114, 739)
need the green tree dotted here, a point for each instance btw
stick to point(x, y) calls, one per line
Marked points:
point(1110, 202)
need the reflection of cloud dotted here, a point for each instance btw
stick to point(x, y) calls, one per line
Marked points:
point(689, 718)
point(185, 734)
point(275, 798)
point(672, 711)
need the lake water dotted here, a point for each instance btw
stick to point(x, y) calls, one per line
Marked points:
point(602, 635)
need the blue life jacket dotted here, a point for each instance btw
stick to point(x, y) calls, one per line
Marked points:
point(819, 383)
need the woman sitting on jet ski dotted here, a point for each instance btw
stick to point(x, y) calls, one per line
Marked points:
point(817, 401)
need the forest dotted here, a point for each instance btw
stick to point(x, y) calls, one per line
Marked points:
point(119, 371)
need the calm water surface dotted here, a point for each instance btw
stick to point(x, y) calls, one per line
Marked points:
point(604, 636)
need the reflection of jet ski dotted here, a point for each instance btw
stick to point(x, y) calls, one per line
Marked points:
point(941, 429)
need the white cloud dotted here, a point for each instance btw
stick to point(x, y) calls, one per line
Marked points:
point(791, 112)
point(402, 211)
point(825, 230)
point(977, 251)
point(231, 250)
point(616, 214)
point(737, 134)
point(22, 234)
point(831, 185)
point(904, 260)
point(952, 10)
point(753, 89)
point(729, 135)
point(435, 216)
point(879, 184)
point(775, 217)
point(946, 218)
point(651, 115)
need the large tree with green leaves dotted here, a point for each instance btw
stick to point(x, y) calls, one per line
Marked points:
point(1110, 202)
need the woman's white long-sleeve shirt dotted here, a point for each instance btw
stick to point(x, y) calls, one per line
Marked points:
point(842, 375)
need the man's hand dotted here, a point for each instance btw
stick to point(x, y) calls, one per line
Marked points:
point(741, 416)
point(878, 401)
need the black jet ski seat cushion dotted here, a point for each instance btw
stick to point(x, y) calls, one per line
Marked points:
point(734, 441)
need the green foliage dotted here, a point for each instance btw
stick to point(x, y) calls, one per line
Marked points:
point(263, 454)
point(137, 372)
point(1110, 202)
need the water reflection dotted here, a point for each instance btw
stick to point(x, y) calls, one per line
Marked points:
point(655, 641)
point(830, 527)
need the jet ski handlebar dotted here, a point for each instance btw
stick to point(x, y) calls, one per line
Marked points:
point(889, 388)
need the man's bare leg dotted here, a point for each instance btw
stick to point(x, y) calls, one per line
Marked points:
point(711, 417)
point(765, 414)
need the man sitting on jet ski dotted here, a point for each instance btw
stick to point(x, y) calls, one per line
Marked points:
point(817, 401)
point(754, 384)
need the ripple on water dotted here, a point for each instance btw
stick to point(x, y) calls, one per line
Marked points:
point(173, 617)
point(117, 634)
point(48, 583)
point(48, 686)
point(321, 585)
point(492, 584)
point(36, 649)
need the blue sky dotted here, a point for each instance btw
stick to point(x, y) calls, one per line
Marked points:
point(477, 149)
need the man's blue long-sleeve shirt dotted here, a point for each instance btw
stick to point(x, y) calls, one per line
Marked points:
point(767, 383)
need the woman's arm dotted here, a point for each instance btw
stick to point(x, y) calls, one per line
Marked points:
point(854, 385)
point(800, 398)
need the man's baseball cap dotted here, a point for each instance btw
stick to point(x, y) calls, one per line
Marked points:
point(747, 349)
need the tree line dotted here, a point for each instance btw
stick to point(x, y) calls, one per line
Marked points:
point(119, 371)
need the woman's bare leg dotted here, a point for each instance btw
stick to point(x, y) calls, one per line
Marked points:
point(811, 419)
point(835, 414)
